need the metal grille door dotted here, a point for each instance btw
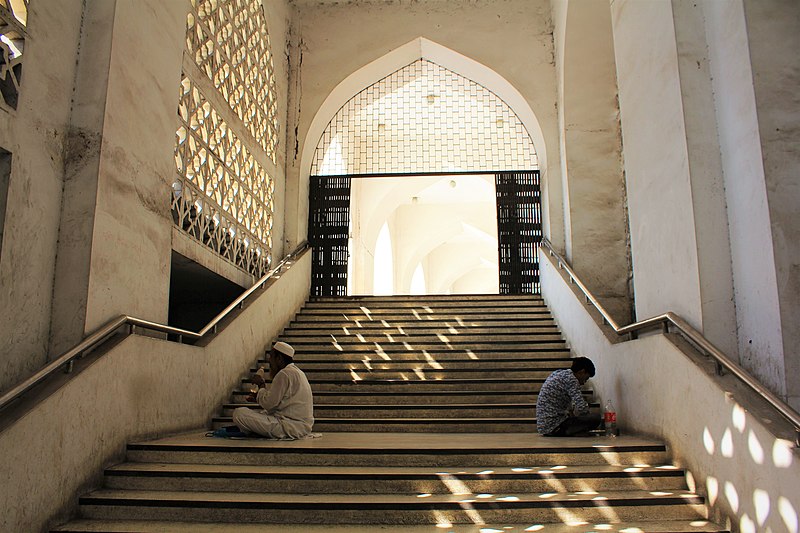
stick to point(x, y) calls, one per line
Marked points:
point(328, 228)
point(519, 231)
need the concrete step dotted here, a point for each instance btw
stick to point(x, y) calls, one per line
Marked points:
point(438, 450)
point(401, 353)
point(453, 346)
point(421, 373)
point(367, 363)
point(451, 314)
point(420, 332)
point(376, 480)
point(425, 305)
point(414, 384)
point(498, 410)
point(392, 509)
point(415, 298)
point(361, 397)
point(426, 325)
point(397, 423)
point(424, 339)
point(604, 525)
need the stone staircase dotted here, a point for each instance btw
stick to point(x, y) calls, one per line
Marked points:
point(427, 409)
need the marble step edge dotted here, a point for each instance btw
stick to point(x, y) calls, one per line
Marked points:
point(387, 501)
point(151, 526)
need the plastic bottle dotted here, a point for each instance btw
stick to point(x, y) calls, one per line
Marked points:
point(610, 420)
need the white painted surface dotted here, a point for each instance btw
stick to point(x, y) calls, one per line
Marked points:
point(658, 390)
point(662, 222)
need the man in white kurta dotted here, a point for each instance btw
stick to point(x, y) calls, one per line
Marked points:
point(288, 405)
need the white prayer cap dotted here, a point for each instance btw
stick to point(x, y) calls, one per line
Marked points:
point(283, 348)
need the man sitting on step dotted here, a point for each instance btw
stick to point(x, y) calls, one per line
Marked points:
point(561, 410)
point(288, 406)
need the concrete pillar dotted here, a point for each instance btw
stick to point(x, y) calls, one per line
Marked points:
point(115, 238)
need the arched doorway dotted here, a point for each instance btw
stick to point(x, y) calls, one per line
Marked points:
point(423, 149)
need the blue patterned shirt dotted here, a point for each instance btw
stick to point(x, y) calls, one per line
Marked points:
point(560, 391)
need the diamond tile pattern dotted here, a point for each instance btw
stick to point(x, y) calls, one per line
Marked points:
point(424, 118)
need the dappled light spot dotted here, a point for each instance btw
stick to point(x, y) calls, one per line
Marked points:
point(587, 492)
point(408, 346)
point(441, 521)
point(460, 322)
point(708, 441)
point(443, 338)
point(726, 445)
point(739, 417)
point(381, 353)
point(385, 324)
point(732, 496)
point(360, 337)
point(545, 471)
point(389, 337)
point(424, 495)
point(631, 530)
point(416, 315)
point(762, 504)
point(660, 493)
point(427, 308)
point(712, 489)
point(782, 453)
point(576, 523)
point(484, 496)
point(667, 467)
point(471, 354)
point(358, 323)
point(642, 465)
point(699, 523)
point(431, 361)
point(346, 331)
point(559, 467)
point(490, 530)
point(508, 499)
point(756, 450)
point(454, 485)
point(788, 514)
point(420, 374)
point(401, 331)
point(603, 527)
point(633, 469)
point(451, 329)
point(690, 482)
point(485, 472)
point(547, 495)
point(746, 524)
point(355, 376)
point(520, 469)
point(536, 527)
point(366, 312)
point(367, 363)
point(600, 498)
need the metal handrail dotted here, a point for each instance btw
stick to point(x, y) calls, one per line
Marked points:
point(100, 335)
point(685, 329)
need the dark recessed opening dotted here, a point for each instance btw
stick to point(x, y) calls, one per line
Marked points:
point(196, 294)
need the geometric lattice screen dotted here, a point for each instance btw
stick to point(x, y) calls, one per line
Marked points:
point(519, 231)
point(227, 133)
point(13, 21)
point(423, 118)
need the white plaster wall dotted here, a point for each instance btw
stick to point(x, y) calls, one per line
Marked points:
point(758, 311)
point(774, 35)
point(35, 134)
point(748, 474)
point(143, 388)
point(662, 223)
point(511, 37)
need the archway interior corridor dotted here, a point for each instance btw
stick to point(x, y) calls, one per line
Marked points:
point(423, 235)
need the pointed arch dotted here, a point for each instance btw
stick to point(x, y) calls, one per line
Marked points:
point(419, 48)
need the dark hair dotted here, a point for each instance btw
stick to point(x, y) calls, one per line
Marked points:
point(583, 363)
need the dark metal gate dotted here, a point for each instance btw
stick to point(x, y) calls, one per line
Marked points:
point(328, 229)
point(519, 231)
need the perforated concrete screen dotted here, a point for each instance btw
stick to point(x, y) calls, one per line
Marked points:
point(13, 31)
point(227, 133)
point(424, 118)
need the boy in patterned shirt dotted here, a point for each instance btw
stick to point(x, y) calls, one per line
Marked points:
point(561, 410)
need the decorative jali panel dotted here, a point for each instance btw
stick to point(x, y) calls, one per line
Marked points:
point(228, 41)
point(328, 227)
point(519, 231)
point(13, 32)
point(424, 118)
point(223, 194)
